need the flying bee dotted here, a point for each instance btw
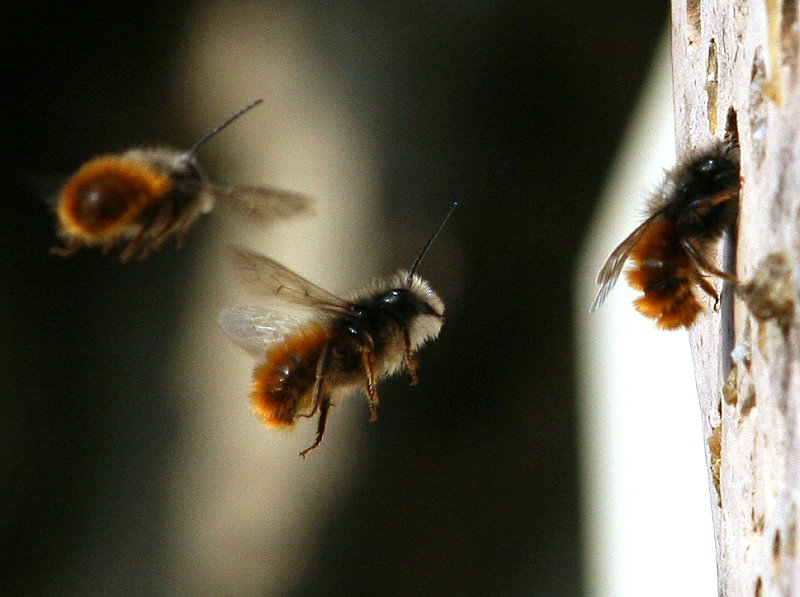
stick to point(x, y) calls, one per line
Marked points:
point(340, 346)
point(671, 251)
point(143, 196)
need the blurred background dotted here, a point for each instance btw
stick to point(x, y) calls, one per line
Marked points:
point(131, 464)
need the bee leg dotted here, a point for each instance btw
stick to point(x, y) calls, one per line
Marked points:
point(372, 393)
point(68, 250)
point(324, 407)
point(700, 261)
point(320, 400)
point(180, 234)
point(133, 246)
point(317, 395)
point(175, 224)
point(710, 291)
point(163, 235)
point(181, 228)
point(366, 345)
point(140, 242)
point(411, 360)
point(168, 218)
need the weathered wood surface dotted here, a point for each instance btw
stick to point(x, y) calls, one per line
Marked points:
point(735, 72)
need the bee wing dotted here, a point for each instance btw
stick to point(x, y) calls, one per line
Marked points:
point(264, 276)
point(608, 274)
point(262, 204)
point(256, 329)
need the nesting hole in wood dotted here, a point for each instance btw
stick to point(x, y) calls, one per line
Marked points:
point(712, 84)
point(776, 545)
point(732, 126)
point(758, 105)
point(790, 45)
point(693, 20)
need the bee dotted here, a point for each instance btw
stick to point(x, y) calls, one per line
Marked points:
point(143, 196)
point(670, 252)
point(341, 344)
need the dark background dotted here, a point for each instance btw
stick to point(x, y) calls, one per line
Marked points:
point(513, 108)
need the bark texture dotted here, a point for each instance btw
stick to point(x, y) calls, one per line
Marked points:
point(735, 68)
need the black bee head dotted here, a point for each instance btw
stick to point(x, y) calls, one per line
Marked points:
point(706, 199)
point(402, 304)
point(714, 173)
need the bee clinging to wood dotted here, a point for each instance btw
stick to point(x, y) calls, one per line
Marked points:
point(339, 346)
point(671, 252)
point(143, 196)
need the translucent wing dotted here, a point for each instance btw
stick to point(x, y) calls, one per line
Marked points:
point(264, 276)
point(262, 204)
point(608, 274)
point(256, 329)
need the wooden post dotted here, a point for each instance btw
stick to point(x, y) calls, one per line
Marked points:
point(735, 72)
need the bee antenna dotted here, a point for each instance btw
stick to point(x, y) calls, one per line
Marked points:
point(218, 128)
point(429, 242)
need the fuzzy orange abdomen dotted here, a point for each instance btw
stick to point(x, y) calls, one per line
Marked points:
point(106, 195)
point(283, 384)
point(663, 271)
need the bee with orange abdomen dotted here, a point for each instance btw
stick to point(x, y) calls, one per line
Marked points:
point(340, 346)
point(671, 251)
point(143, 196)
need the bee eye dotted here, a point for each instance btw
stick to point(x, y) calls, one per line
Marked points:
point(399, 303)
point(706, 165)
point(393, 299)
